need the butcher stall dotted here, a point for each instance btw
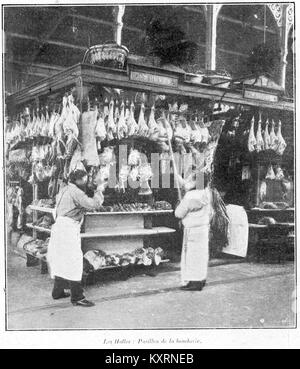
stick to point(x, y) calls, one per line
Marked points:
point(119, 121)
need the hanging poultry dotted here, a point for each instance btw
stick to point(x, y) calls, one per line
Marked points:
point(89, 144)
point(131, 122)
point(100, 130)
point(273, 138)
point(122, 128)
point(45, 128)
point(20, 207)
point(70, 124)
point(270, 173)
point(196, 136)
point(259, 139)
point(252, 139)
point(163, 133)
point(111, 126)
point(281, 142)
point(153, 133)
point(267, 139)
point(143, 129)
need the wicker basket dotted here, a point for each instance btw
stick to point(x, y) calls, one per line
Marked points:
point(110, 55)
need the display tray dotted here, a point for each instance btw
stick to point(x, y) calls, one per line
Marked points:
point(42, 209)
point(52, 210)
point(262, 210)
point(40, 229)
point(125, 266)
point(42, 257)
point(127, 232)
point(130, 212)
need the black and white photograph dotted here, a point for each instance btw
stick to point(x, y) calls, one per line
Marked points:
point(149, 172)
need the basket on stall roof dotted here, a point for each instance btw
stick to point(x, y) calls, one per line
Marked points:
point(109, 54)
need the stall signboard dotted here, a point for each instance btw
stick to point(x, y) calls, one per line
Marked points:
point(154, 79)
point(262, 96)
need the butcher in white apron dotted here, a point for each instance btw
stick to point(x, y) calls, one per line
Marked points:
point(196, 210)
point(64, 256)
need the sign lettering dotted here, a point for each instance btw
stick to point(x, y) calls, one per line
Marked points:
point(255, 95)
point(153, 79)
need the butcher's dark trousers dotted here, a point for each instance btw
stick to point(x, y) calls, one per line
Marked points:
point(60, 284)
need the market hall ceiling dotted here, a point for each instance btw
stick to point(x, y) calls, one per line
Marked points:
point(59, 36)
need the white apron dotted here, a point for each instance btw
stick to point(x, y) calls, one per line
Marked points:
point(194, 258)
point(238, 230)
point(64, 251)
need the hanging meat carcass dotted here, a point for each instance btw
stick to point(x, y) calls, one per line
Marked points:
point(89, 145)
point(27, 122)
point(134, 157)
point(123, 176)
point(153, 133)
point(20, 207)
point(76, 161)
point(168, 127)
point(204, 132)
point(37, 126)
point(70, 127)
point(111, 126)
point(179, 137)
point(116, 114)
point(196, 136)
point(267, 139)
point(22, 134)
point(122, 128)
point(185, 130)
point(100, 130)
point(53, 119)
point(273, 138)
point(143, 129)
point(270, 173)
point(32, 125)
point(70, 123)
point(41, 125)
point(209, 153)
point(279, 174)
point(252, 139)
point(106, 111)
point(46, 125)
point(281, 142)
point(260, 145)
point(108, 156)
point(163, 134)
point(131, 122)
point(55, 181)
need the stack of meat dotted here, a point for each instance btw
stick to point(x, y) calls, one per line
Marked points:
point(37, 247)
point(98, 259)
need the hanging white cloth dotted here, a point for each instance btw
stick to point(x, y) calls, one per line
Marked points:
point(238, 230)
